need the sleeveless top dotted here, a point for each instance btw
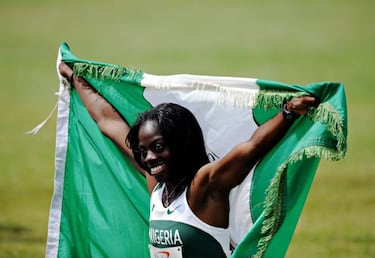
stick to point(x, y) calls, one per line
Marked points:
point(175, 231)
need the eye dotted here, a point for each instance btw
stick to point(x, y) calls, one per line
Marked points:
point(142, 151)
point(158, 147)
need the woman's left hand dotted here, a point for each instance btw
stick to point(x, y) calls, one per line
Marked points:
point(301, 105)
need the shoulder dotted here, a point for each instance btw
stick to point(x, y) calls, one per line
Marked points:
point(204, 185)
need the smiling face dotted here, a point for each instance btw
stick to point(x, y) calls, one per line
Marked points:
point(167, 142)
point(154, 152)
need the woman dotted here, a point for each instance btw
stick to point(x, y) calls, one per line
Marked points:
point(189, 208)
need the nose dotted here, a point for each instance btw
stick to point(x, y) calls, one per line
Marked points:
point(150, 156)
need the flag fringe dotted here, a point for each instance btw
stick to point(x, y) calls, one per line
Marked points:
point(106, 72)
point(267, 99)
point(238, 97)
point(324, 113)
point(273, 200)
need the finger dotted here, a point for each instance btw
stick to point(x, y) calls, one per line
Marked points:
point(309, 100)
point(301, 105)
point(65, 70)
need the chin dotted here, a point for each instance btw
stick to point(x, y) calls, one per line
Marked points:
point(159, 178)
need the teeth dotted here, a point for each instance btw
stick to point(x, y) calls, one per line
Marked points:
point(157, 168)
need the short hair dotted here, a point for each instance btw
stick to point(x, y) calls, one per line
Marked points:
point(181, 132)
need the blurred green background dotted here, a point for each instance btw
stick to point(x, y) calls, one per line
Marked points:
point(290, 41)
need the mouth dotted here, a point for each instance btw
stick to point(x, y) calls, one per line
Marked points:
point(155, 170)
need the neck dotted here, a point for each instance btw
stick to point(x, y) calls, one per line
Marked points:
point(174, 184)
point(172, 190)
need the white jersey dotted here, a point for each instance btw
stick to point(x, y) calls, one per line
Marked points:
point(176, 232)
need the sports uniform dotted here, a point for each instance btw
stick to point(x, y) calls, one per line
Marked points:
point(176, 232)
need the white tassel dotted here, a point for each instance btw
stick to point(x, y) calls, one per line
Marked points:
point(64, 90)
point(39, 126)
point(236, 91)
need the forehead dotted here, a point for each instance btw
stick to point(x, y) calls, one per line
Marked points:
point(149, 132)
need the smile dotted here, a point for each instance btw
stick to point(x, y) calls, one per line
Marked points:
point(157, 169)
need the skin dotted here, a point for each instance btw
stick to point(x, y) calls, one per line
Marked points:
point(208, 194)
point(155, 153)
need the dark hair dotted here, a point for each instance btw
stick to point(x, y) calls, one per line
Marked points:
point(181, 132)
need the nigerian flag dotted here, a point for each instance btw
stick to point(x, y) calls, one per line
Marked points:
point(100, 205)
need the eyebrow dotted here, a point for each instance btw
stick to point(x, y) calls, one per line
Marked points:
point(154, 141)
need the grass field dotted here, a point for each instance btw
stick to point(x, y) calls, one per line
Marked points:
point(290, 41)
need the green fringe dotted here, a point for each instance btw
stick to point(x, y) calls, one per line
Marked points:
point(325, 114)
point(273, 200)
point(106, 72)
point(272, 214)
point(274, 99)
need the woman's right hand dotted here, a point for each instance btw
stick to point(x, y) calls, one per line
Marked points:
point(66, 71)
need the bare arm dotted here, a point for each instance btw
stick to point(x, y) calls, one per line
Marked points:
point(230, 171)
point(109, 121)
point(210, 188)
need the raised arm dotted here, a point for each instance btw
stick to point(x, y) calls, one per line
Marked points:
point(213, 182)
point(109, 121)
point(229, 171)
